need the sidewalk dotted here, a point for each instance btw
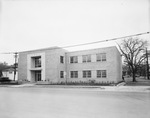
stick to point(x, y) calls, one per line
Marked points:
point(127, 88)
point(95, 88)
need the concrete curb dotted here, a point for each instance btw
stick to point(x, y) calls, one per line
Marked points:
point(96, 88)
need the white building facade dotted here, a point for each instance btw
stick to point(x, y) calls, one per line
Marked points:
point(10, 73)
point(55, 65)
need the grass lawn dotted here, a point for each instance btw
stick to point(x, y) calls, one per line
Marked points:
point(141, 81)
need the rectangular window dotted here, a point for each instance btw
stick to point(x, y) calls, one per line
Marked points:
point(98, 57)
point(74, 74)
point(86, 58)
point(101, 57)
point(87, 74)
point(10, 72)
point(61, 59)
point(73, 59)
point(101, 74)
point(104, 57)
point(104, 73)
point(61, 74)
point(37, 62)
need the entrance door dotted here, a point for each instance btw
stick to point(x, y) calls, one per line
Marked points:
point(37, 75)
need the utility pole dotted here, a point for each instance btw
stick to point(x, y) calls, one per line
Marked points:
point(15, 65)
point(147, 65)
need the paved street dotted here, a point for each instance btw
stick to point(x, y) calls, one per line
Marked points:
point(72, 103)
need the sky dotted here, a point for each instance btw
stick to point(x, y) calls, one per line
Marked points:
point(34, 24)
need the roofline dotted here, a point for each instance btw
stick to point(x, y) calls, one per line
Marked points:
point(41, 49)
point(93, 49)
point(56, 47)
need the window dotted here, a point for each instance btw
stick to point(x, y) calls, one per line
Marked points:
point(74, 59)
point(87, 74)
point(101, 74)
point(61, 59)
point(86, 58)
point(10, 72)
point(74, 74)
point(61, 74)
point(101, 57)
point(37, 62)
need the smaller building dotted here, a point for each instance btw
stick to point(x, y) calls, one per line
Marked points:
point(10, 73)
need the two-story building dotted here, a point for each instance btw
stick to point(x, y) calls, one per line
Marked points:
point(58, 65)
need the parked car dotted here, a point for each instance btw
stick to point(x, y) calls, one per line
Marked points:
point(4, 79)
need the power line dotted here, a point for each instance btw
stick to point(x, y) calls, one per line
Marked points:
point(16, 53)
point(87, 43)
point(106, 40)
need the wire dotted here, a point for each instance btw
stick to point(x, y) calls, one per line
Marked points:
point(105, 40)
point(87, 43)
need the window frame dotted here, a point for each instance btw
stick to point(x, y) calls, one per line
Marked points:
point(86, 58)
point(104, 74)
point(73, 59)
point(73, 74)
point(101, 74)
point(61, 59)
point(101, 57)
point(37, 62)
point(86, 73)
point(61, 74)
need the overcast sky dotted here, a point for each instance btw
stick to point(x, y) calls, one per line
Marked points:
point(34, 24)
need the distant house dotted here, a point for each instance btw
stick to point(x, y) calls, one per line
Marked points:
point(10, 73)
point(58, 65)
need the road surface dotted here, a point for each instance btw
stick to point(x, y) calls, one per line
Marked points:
point(72, 103)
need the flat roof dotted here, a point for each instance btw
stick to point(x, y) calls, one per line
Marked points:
point(56, 47)
point(42, 49)
point(93, 49)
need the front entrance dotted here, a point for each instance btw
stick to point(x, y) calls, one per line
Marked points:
point(37, 75)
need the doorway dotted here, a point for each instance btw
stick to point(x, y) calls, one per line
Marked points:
point(37, 75)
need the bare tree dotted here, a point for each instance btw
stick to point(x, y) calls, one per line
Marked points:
point(133, 51)
point(2, 67)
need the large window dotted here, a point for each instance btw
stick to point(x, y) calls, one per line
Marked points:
point(61, 74)
point(101, 57)
point(37, 62)
point(61, 59)
point(86, 58)
point(73, 59)
point(87, 74)
point(101, 74)
point(74, 74)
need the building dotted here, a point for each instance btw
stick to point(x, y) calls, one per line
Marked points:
point(58, 65)
point(10, 73)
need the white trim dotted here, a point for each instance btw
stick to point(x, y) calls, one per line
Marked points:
point(29, 65)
